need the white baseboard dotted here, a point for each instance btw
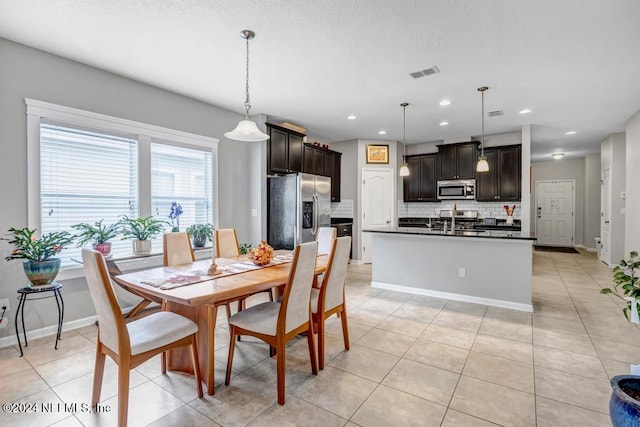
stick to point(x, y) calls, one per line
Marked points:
point(586, 248)
point(357, 262)
point(52, 330)
point(455, 297)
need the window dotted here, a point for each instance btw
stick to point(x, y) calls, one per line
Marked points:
point(84, 167)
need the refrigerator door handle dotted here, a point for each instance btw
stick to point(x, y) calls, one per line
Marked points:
point(314, 230)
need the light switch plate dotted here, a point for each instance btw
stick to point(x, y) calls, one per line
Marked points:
point(462, 272)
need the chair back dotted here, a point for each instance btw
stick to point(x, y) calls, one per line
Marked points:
point(332, 290)
point(110, 317)
point(297, 291)
point(227, 243)
point(325, 238)
point(177, 249)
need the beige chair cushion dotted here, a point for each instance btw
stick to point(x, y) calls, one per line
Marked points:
point(261, 318)
point(177, 247)
point(315, 295)
point(227, 243)
point(157, 330)
point(335, 281)
point(325, 239)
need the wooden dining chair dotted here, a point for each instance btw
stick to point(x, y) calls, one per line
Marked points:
point(131, 344)
point(329, 299)
point(227, 247)
point(278, 322)
point(177, 249)
point(114, 270)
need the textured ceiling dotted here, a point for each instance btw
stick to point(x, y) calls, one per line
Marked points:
point(575, 63)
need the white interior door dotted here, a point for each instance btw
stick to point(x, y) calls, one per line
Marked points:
point(377, 204)
point(605, 216)
point(554, 213)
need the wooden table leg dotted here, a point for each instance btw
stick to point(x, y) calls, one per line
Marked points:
point(212, 316)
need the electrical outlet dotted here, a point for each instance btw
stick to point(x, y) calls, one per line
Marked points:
point(462, 272)
point(4, 322)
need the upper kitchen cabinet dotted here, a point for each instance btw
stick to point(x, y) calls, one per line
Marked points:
point(321, 161)
point(420, 185)
point(457, 161)
point(284, 150)
point(503, 181)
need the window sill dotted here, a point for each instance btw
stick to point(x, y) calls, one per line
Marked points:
point(131, 262)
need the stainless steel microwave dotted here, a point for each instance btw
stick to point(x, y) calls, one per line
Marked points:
point(461, 189)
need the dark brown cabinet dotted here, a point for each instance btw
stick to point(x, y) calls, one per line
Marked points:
point(321, 161)
point(503, 181)
point(420, 185)
point(457, 161)
point(284, 150)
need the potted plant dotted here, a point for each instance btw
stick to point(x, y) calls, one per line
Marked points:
point(141, 230)
point(174, 214)
point(98, 233)
point(40, 266)
point(200, 234)
point(625, 279)
point(624, 405)
point(245, 248)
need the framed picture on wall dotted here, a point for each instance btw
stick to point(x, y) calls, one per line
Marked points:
point(377, 153)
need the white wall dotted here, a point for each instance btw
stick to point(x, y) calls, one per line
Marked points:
point(613, 157)
point(632, 235)
point(591, 199)
point(29, 73)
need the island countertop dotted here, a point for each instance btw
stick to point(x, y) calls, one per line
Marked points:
point(483, 234)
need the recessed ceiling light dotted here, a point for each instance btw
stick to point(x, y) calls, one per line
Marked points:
point(557, 156)
point(571, 132)
point(351, 117)
point(525, 111)
point(445, 102)
point(444, 123)
point(382, 132)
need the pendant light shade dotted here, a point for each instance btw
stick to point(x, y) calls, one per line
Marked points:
point(483, 165)
point(404, 170)
point(247, 130)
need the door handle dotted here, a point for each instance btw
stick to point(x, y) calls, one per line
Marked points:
point(606, 222)
point(314, 230)
point(388, 222)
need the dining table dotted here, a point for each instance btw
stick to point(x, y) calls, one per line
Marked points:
point(195, 291)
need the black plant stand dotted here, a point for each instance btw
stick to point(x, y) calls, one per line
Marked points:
point(38, 293)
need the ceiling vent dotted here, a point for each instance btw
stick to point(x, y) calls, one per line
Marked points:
point(495, 113)
point(427, 72)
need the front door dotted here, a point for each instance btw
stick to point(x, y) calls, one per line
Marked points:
point(377, 204)
point(554, 213)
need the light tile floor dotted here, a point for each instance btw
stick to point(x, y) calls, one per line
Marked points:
point(414, 360)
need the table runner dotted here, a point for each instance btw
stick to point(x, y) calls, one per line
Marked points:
point(178, 278)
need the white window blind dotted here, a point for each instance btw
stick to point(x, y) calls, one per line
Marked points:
point(86, 176)
point(183, 175)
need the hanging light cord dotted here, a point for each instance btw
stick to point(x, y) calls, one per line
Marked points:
point(482, 141)
point(404, 129)
point(247, 104)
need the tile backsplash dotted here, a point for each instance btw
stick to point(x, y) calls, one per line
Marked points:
point(342, 209)
point(432, 209)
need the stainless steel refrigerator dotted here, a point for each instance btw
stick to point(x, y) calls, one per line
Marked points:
point(298, 205)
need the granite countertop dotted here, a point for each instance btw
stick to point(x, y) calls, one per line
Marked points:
point(341, 221)
point(487, 234)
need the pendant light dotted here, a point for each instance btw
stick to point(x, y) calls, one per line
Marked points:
point(247, 130)
point(483, 165)
point(404, 170)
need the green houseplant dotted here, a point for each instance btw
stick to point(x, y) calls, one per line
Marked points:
point(39, 264)
point(627, 285)
point(141, 231)
point(98, 233)
point(200, 234)
point(245, 248)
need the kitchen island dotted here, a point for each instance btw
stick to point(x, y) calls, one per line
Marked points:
point(484, 267)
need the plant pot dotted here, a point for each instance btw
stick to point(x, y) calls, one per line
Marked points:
point(624, 406)
point(103, 248)
point(41, 273)
point(141, 247)
point(199, 241)
point(634, 315)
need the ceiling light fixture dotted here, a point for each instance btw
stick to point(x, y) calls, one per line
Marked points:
point(351, 117)
point(571, 132)
point(445, 102)
point(557, 156)
point(247, 130)
point(404, 170)
point(382, 132)
point(525, 111)
point(444, 123)
point(483, 165)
